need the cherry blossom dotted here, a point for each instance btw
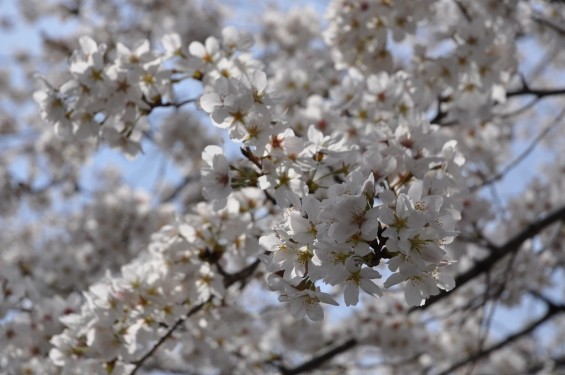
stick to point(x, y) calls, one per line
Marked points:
point(372, 188)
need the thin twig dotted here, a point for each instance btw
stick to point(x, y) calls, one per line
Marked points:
point(173, 104)
point(514, 163)
point(320, 358)
point(329, 353)
point(464, 11)
point(552, 310)
point(440, 114)
point(242, 275)
point(179, 188)
point(544, 21)
point(160, 176)
point(495, 256)
point(169, 333)
point(228, 281)
point(543, 64)
point(538, 93)
point(520, 110)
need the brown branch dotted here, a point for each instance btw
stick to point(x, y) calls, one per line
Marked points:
point(228, 281)
point(324, 356)
point(545, 22)
point(242, 275)
point(160, 104)
point(520, 110)
point(538, 93)
point(514, 163)
point(180, 187)
point(557, 362)
point(552, 310)
point(464, 11)
point(169, 333)
point(480, 267)
point(497, 254)
point(440, 114)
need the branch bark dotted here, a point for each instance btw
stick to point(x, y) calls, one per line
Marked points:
point(479, 268)
point(497, 254)
point(229, 280)
point(531, 147)
point(320, 358)
point(539, 93)
point(552, 310)
point(169, 333)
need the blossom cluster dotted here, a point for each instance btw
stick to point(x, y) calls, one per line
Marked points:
point(187, 266)
point(362, 152)
point(335, 206)
point(348, 181)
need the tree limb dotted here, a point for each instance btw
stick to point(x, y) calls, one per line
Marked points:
point(229, 280)
point(531, 147)
point(557, 362)
point(169, 333)
point(539, 93)
point(320, 358)
point(539, 18)
point(480, 267)
point(552, 310)
point(497, 254)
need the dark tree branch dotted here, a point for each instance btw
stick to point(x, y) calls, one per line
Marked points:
point(545, 22)
point(538, 93)
point(242, 275)
point(520, 110)
point(552, 310)
point(479, 268)
point(514, 163)
point(320, 358)
point(464, 11)
point(179, 188)
point(229, 280)
point(160, 104)
point(557, 362)
point(169, 333)
point(497, 254)
point(440, 114)
point(543, 63)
